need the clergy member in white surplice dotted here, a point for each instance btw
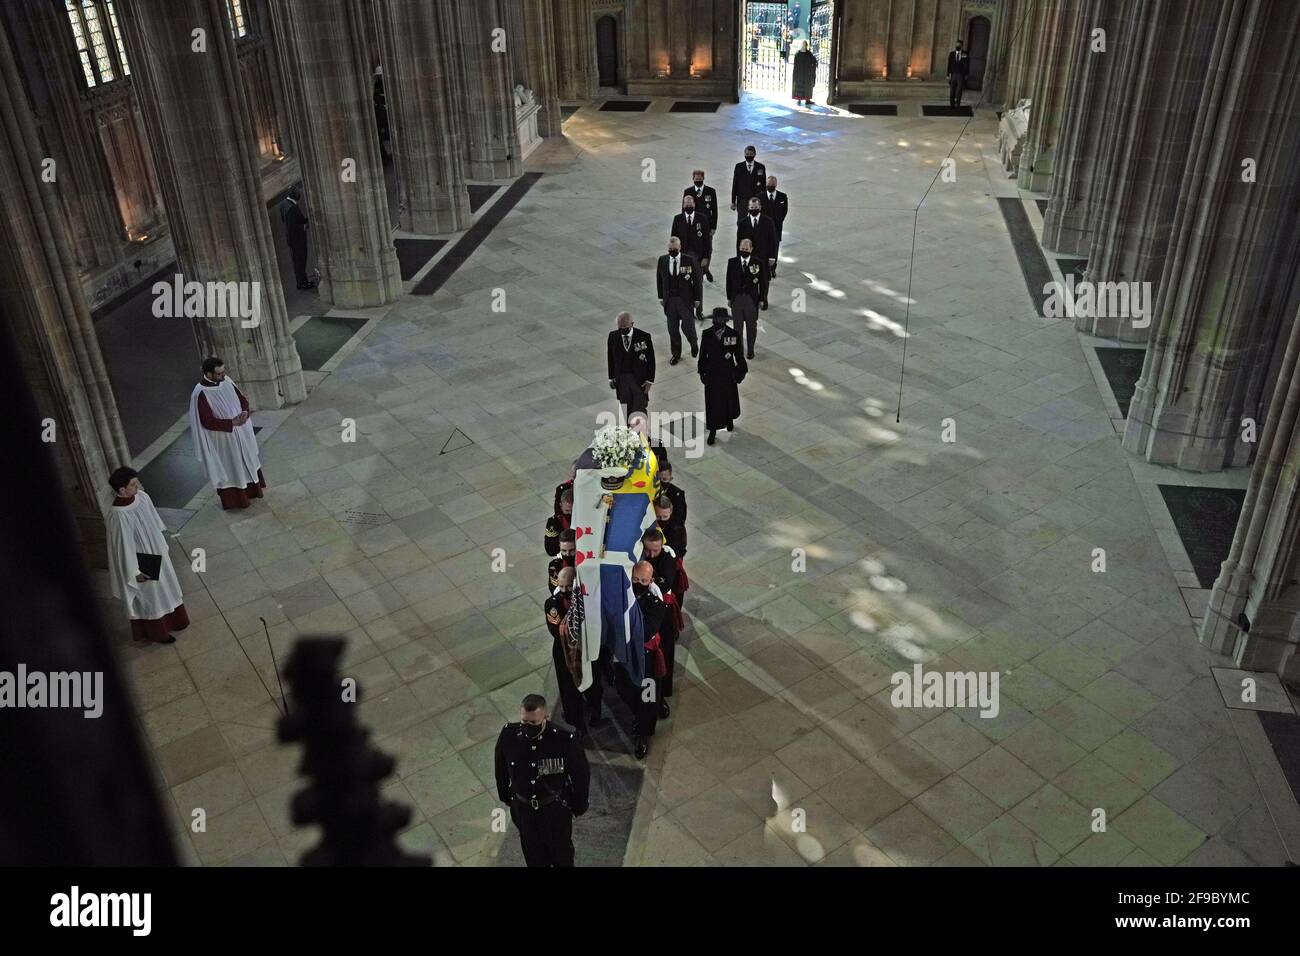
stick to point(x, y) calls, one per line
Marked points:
point(139, 565)
point(222, 425)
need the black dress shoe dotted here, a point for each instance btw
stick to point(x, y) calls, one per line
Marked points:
point(642, 748)
point(663, 709)
point(708, 275)
point(674, 360)
point(749, 355)
point(713, 438)
point(731, 428)
point(171, 639)
point(695, 350)
point(763, 307)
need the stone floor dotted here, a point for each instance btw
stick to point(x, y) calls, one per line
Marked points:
point(830, 545)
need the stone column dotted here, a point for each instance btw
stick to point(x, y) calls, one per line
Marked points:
point(94, 226)
point(42, 301)
point(487, 100)
point(330, 80)
point(1215, 321)
point(1050, 76)
point(1085, 129)
point(427, 140)
point(516, 45)
point(201, 137)
point(1163, 55)
point(539, 23)
point(575, 50)
point(1025, 19)
point(1259, 576)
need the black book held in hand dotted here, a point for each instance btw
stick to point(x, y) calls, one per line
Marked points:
point(150, 565)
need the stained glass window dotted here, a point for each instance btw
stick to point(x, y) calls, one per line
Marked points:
point(98, 43)
point(117, 38)
point(79, 35)
point(238, 26)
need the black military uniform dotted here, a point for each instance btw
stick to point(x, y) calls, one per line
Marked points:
point(631, 359)
point(665, 567)
point(560, 489)
point(706, 200)
point(557, 608)
point(674, 539)
point(679, 286)
point(678, 498)
point(674, 535)
point(745, 183)
point(552, 574)
point(554, 525)
point(645, 713)
point(544, 780)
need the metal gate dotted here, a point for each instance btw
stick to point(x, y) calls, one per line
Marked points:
point(766, 47)
point(819, 38)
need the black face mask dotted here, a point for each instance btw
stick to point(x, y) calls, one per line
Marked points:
point(640, 589)
point(534, 730)
point(689, 210)
point(673, 253)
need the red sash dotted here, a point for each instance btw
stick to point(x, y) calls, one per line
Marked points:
point(671, 600)
point(657, 659)
point(683, 582)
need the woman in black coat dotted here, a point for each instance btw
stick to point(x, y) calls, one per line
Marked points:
point(722, 367)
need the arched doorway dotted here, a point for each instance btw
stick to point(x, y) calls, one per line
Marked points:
point(977, 42)
point(607, 50)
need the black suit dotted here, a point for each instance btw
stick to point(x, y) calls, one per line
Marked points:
point(696, 237)
point(295, 231)
point(630, 367)
point(763, 236)
point(958, 67)
point(746, 289)
point(776, 204)
point(706, 200)
point(744, 184)
point(680, 295)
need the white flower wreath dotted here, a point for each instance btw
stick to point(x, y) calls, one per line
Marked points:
point(616, 446)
